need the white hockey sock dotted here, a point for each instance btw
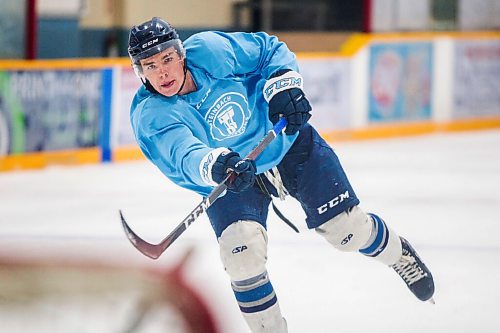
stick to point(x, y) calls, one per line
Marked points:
point(269, 320)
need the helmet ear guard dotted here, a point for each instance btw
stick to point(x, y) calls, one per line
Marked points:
point(138, 71)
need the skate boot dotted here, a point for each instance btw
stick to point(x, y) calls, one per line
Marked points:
point(414, 273)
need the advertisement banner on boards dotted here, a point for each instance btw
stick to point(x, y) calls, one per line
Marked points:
point(127, 87)
point(476, 77)
point(49, 110)
point(326, 85)
point(400, 76)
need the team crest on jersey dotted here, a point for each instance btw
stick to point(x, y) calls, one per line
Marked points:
point(228, 116)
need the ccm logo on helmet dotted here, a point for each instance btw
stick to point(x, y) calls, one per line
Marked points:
point(332, 203)
point(151, 42)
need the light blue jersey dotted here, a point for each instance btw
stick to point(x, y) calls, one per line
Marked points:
point(227, 109)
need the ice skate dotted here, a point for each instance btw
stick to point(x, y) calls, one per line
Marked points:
point(414, 273)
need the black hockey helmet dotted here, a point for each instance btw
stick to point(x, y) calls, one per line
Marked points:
point(150, 38)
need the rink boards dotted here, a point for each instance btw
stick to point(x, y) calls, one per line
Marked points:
point(76, 111)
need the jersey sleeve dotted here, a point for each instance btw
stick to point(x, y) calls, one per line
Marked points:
point(172, 146)
point(227, 55)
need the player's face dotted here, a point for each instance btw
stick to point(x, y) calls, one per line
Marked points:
point(165, 71)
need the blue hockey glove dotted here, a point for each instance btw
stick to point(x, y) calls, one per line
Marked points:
point(283, 91)
point(244, 171)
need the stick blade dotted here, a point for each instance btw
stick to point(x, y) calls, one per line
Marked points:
point(150, 250)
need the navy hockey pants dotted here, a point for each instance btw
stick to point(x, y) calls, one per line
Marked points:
point(312, 174)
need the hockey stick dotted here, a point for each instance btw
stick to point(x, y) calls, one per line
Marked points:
point(155, 250)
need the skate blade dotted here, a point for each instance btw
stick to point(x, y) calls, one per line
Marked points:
point(431, 300)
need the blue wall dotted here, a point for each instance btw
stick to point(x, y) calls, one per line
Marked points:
point(63, 38)
point(58, 38)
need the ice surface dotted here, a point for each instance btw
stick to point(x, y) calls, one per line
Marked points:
point(442, 192)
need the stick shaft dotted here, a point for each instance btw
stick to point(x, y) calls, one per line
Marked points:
point(155, 250)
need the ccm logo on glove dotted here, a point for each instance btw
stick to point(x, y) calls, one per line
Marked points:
point(286, 99)
point(278, 82)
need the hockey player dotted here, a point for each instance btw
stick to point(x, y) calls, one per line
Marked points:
point(203, 105)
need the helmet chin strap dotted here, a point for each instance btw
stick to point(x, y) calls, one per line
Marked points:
point(185, 76)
